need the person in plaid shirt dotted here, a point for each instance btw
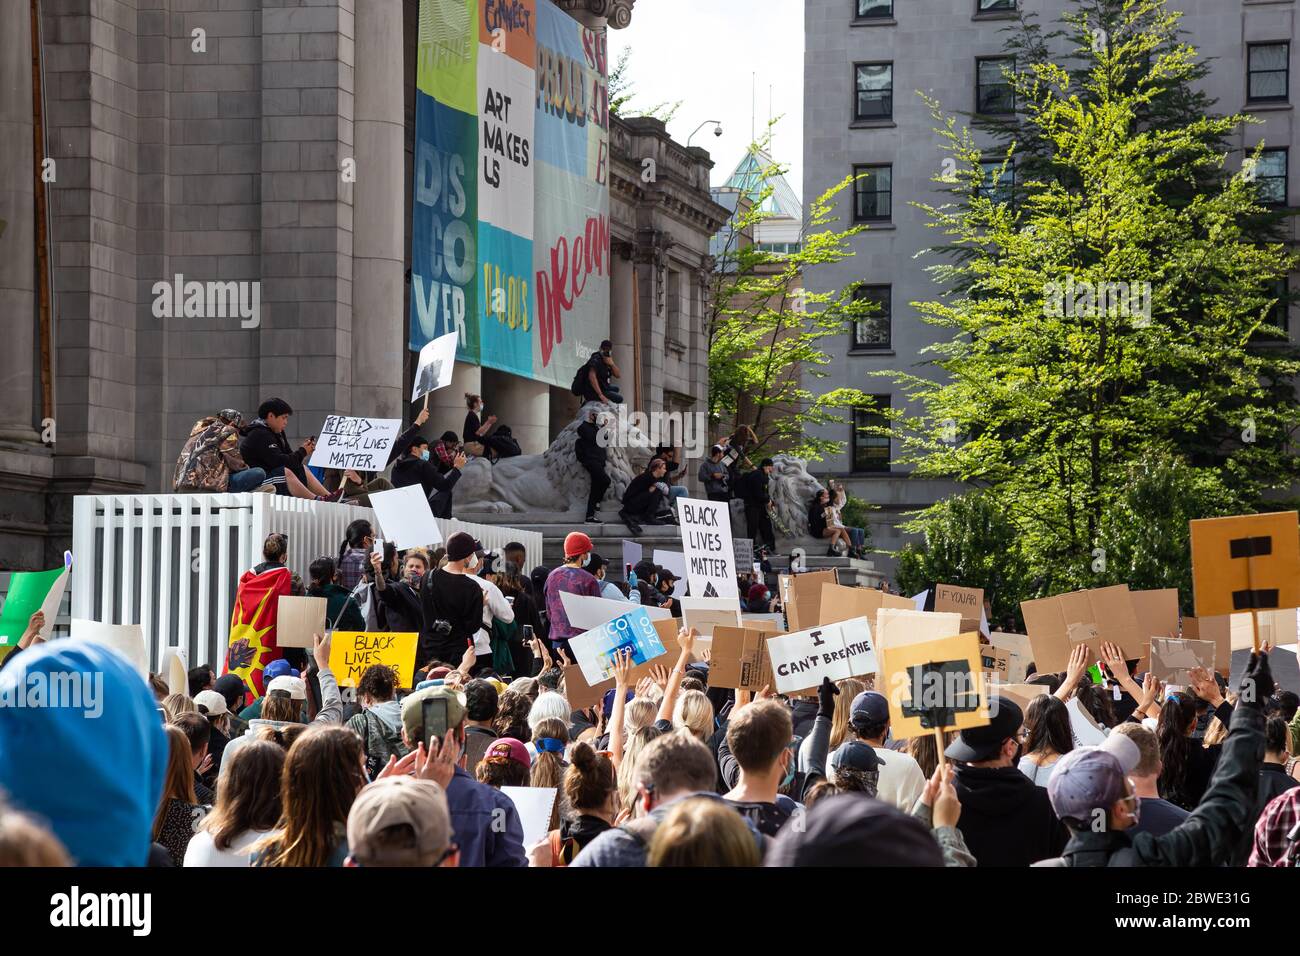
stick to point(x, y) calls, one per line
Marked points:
point(354, 555)
point(1272, 845)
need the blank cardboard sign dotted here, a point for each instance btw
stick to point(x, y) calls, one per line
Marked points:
point(968, 602)
point(802, 596)
point(1217, 630)
point(945, 675)
point(1048, 621)
point(896, 627)
point(839, 602)
point(298, 619)
point(739, 659)
point(1022, 694)
point(1246, 563)
point(1157, 612)
point(1172, 660)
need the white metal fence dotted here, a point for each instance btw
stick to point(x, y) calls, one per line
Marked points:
point(171, 563)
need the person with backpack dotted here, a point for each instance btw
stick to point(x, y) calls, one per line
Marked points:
point(379, 724)
point(592, 382)
point(211, 461)
point(589, 791)
point(415, 468)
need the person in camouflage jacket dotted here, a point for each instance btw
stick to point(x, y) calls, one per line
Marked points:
point(211, 461)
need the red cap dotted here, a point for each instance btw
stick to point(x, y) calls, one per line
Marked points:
point(576, 543)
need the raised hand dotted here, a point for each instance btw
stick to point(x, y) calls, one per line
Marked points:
point(622, 664)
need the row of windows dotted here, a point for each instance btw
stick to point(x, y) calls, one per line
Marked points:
point(1268, 80)
point(884, 9)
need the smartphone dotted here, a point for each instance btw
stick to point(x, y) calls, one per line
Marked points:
point(379, 547)
point(527, 631)
point(434, 712)
point(1095, 673)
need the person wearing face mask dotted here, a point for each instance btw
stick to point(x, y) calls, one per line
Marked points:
point(572, 576)
point(1005, 819)
point(480, 430)
point(452, 604)
point(415, 468)
point(400, 609)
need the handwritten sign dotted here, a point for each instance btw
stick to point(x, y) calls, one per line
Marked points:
point(710, 552)
point(360, 443)
point(351, 652)
point(968, 602)
point(838, 651)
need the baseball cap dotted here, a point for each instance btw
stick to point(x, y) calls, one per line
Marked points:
point(461, 545)
point(211, 703)
point(293, 686)
point(575, 543)
point(983, 743)
point(756, 592)
point(232, 688)
point(1091, 778)
point(278, 668)
point(399, 801)
point(508, 748)
point(665, 574)
point(596, 563)
point(413, 710)
point(855, 830)
point(855, 755)
point(869, 707)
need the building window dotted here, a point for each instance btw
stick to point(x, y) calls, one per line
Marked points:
point(1278, 315)
point(874, 96)
point(994, 6)
point(997, 183)
point(872, 332)
point(778, 248)
point(673, 307)
point(871, 451)
point(874, 9)
point(1271, 177)
point(1268, 72)
point(993, 93)
point(873, 198)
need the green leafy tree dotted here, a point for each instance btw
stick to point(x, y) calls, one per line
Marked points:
point(1108, 313)
point(622, 91)
point(763, 328)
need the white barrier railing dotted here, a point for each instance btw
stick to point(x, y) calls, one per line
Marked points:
point(171, 563)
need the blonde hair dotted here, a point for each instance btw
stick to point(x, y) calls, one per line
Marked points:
point(849, 689)
point(694, 713)
point(1216, 732)
point(637, 713)
point(627, 779)
point(703, 832)
point(176, 704)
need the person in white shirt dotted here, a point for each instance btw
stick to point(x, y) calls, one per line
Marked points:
point(608, 589)
point(901, 779)
point(495, 607)
point(247, 807)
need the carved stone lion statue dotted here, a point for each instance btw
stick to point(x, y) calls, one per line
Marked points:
point(553, 481)
point(792, 489)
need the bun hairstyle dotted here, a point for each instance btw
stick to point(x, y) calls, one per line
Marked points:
point(275, 547)
point(589, 781)
point(471, 399)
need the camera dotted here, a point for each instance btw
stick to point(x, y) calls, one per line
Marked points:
point(441, 628)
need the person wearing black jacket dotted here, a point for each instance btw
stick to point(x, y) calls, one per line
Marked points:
point(262, 445)
point(591, 455)
point(752, 490)
point(1006, 820)
point(646, 497)
point(400, 607)
point(452, 605)
point(1208, 837)
point(415, 468)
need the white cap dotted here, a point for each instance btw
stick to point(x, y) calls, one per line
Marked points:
point(210, 702)
point(293, 686)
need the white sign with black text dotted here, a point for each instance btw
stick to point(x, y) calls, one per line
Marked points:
point(706, 541)
point(363, 444)
point(838, 651)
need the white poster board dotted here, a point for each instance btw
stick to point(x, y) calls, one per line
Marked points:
point(674, 561)
point(1087, 732)
point(175, 669)
point(594, 650)
point(838, 651)
point(405, 517)
point(534, 805)
point(586, 612)
point(708, 550)
point(437, 362)
point(363, 444)
point(704, 614)
point(126, 639)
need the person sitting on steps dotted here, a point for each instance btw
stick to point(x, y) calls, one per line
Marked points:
point(646, 498)
point(820, 526)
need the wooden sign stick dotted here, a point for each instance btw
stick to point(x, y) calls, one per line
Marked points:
point(938, 746)
point(426, 401)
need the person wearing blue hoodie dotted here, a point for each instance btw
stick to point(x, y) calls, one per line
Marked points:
point(88, 754)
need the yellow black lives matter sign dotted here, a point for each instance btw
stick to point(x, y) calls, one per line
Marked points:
point(351, 652)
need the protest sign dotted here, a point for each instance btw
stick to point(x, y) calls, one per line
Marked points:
point(175, 669)
point(675, 562)
point(1085, 730)
point(29, 592)
point(437, 362)
point(126, 639)
point(299, 620)
point(896, 627)
point(1110, 610)
point(838, 651)
point(1220, 630)
point(534, 805)
point(1173, 659)
point(839, 602)
point(585, 612)
point(801, 596)
point(707, 545)
point(1281, 661)
point(739, 659)
point(594, 650)
point(744, 551)
point(632, 553)
point(968, 602)
point(996, 662)
point(704, 614)
point(761, 621)
point(351, 652)
point(1022, 694)
point(405, 517)
point(935, 685)
point(360, 443)
point(1157, 612)
point(1020, 654)
point(1245, 563)
point(582, 695)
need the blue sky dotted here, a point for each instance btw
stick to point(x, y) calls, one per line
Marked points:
point(706, 53)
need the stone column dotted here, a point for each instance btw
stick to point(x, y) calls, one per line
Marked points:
point(620, 320)
point(523, 404)
point(17, 241)
point(379, 209)
point(447, 405)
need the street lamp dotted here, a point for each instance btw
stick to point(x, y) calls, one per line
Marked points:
point(717, 130)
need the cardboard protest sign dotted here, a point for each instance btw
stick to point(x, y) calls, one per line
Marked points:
point(1019, 654)
point(675, 562)
point(1275, 627)
point(840, 602)
point(896, 627)
point(299, 619)
point(996, 662)
point(1219, 630)
point(933, 685)
point(534, 805)
point(739, 658)
point(1022, 694)
point(437, 362)
point(585, 612)
point(29, 592)
point(760, 621)
point(1281, 661)
point(1085, 730)
point(801, 595)
point(968, 602)
point(704, 614)
point(594, 650)
point(743, 548)
point(1055, 624)
point(405, 517)
point(1173, 659)
point(1245, 563)
point(709, 552)
point(351, 652)
point(1157, 612)
point(175, 670)
point(838, 651)
point(582, 695)
point(126, 639)
point(360, 443)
